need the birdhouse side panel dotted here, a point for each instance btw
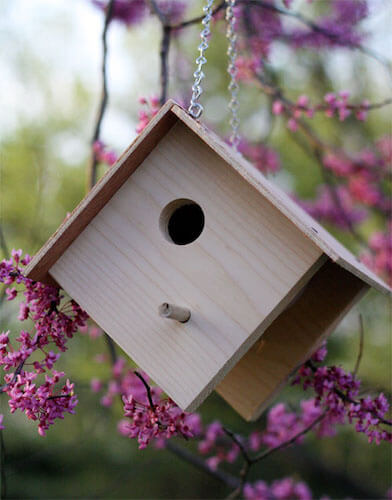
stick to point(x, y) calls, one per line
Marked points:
point(291, 339)
point(239, 272)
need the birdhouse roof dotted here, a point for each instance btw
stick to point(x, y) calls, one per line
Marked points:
point(114, 178)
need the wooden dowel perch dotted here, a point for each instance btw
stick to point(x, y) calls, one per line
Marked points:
point(172, 311)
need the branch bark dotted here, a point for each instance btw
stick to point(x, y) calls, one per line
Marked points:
point(92, 168)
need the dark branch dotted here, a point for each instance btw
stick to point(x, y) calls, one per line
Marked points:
point(361, 341)
point(198, 19)
point(92, 169)
point(148, 389)
point(238, 442)
point(199, 463)
point(164, 49)
point(287, 443)
point(3, 244)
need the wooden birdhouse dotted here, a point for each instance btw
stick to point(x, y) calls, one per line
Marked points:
point(183, 226)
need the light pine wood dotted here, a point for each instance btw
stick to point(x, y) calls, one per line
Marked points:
point(243, 276)
point(244, 269)
point(133, 157)
point(100, 194)
point(290, 340)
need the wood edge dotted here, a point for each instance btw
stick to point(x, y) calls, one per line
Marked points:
point(252, 417)
point(261, 183)
point(373, 281)
point(38, 272)
point(256, 334)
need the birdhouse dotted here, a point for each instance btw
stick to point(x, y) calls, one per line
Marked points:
point(205, 273)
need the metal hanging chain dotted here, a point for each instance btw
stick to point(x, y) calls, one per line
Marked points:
point(232, 71)
point(195, 108)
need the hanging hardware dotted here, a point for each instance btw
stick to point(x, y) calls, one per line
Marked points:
point(233, 72)
point(195, 108)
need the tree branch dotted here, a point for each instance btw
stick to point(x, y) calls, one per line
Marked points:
point(361, 341)
point(148, 389)
point(222, 476)
point(269, 452)
point(92, 168)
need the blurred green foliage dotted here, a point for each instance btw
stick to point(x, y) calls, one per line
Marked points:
point(42, 177)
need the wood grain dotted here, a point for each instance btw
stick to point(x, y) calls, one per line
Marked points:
point(244, 269)
point(137, 152)
point(290, 340)
point(100, 194)
point(309, 226)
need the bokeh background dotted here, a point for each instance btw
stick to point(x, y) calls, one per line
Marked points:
point(49, 91)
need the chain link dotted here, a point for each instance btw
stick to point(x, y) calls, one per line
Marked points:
point(195, 108)
point(232, 71)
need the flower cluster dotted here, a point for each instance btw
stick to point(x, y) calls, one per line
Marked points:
point(336, 206)
point(161, 421)
point(333, 105)
point(379, 255)
point(215, 440)
point(54, 322)
point(151, 108)
point(337, 393)
point(132, 12)
point(104, 155)
point(338, 28)
point(157, 419)
point(43, 403)
point(282, 489)
point(263, 158)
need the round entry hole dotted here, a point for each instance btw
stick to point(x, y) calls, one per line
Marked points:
point(182, 221)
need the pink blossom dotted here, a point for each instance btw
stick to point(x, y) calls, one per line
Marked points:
point(263, 158)
point(103, 155)
point(247, 67)
point(152, 106)
point(162, 421)
point(174, 10)
point(277, 107)
point(337, 394)
point(292, 124)
point(96, 385)
point(282, 489)
point(44, 401)
point(128, 12)
point(362, 113)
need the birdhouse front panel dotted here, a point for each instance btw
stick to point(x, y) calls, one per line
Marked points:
point(186, 228)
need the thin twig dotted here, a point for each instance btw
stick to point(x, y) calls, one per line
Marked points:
point(238, 442)
point(16, 373)
point(92, 169)
point(197, 462)
point(164, 55)
point(164, 49)
point(198, 19)
point(361, 342)
point(3, 244)
point(270, 451)
point(112, 348)
point(148, 389)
